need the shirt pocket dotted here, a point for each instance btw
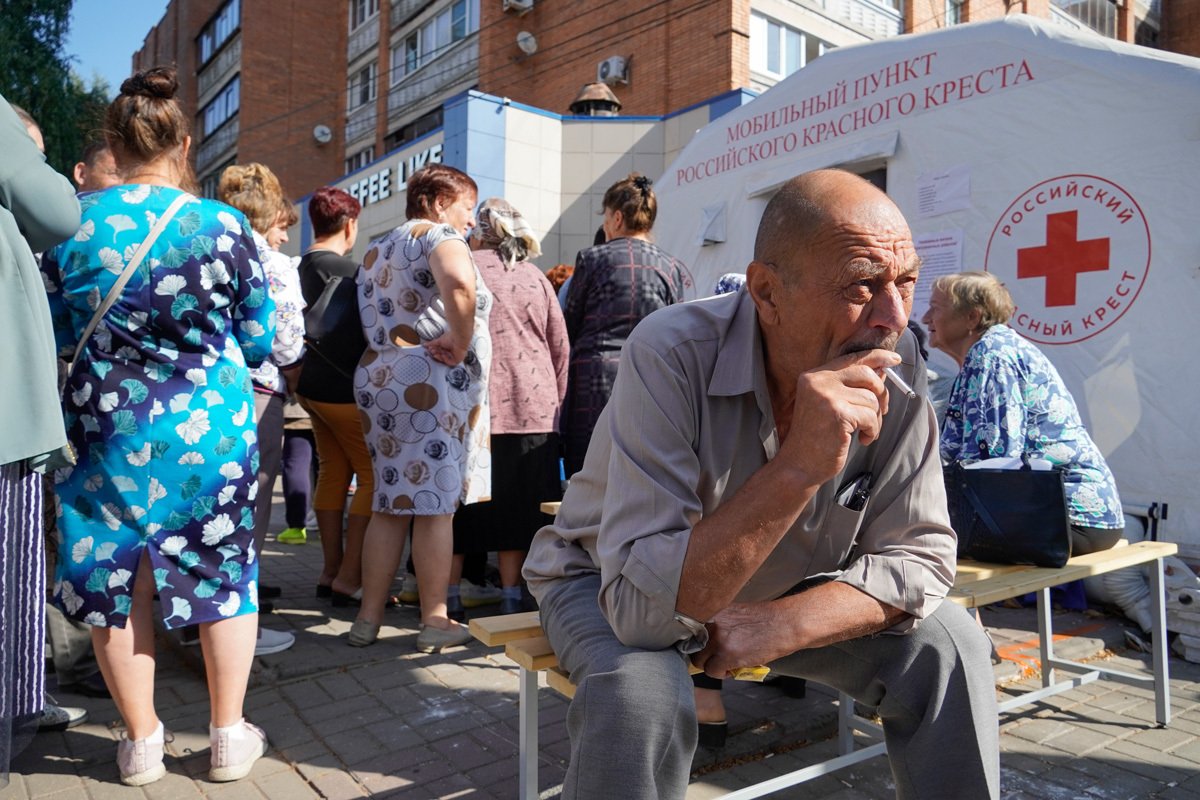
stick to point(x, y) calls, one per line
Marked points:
point(835, 543)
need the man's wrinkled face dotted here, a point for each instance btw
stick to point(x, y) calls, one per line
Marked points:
point(851, 285)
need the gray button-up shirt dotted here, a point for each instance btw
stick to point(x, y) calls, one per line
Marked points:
point(688, 423)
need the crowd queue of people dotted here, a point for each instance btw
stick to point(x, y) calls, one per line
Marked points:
point(446, 385)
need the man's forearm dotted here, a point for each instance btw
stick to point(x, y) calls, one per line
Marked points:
point(832, 612)
point(750, 634)
point(727, 547)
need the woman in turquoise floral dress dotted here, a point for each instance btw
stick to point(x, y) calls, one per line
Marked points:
point(160, 412)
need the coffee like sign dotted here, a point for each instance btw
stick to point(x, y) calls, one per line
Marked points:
point(380, 185)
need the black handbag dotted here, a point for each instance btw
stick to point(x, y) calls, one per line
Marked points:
point(1009, 516)
point(332, 324)
point(336, 307)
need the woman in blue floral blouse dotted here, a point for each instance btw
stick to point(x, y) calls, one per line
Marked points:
point(160, 411)
point(1008, 399)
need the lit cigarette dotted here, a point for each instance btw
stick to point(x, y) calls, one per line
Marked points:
point(888, 372)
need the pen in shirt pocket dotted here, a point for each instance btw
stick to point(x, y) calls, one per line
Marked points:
point(855, 494)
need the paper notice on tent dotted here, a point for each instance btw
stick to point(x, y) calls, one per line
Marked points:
point(941, 254)
point(943, 192)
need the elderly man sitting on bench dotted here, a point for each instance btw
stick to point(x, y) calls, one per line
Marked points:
point(755, 493)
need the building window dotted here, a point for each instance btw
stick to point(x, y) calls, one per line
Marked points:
point(778, 50)
point(223, 106)
point(414, 130)
point(209, 183)
point(1099, 15)
point(361, 11)
point(362, 87)
point(219, 29)
point(406, 57)
point(360, 159)
point(451, 25)
point(956, 12)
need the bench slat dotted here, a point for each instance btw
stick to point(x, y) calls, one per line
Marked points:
point(1015, 583)
point(502, 629)
point(533, 654)
point(557, 680)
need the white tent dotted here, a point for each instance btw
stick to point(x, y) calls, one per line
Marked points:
point(1066, 164)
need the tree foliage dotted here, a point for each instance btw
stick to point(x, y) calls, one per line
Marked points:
point(35, 73)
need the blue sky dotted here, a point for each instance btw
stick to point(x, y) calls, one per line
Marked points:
point(104, 35)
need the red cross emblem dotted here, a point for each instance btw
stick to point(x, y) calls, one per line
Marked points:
point(1061, 260)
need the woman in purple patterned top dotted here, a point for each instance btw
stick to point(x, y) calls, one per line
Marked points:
point(615, 285)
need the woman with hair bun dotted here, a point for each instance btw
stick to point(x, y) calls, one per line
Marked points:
point(615, 285)
point(160, 412)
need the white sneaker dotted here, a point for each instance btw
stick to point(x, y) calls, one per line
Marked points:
point(270, 641)
point(59, 718)
point(235, 748)
point(474, 595)
point(141, 760)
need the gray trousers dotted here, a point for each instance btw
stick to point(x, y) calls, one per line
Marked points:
point(632, 723)
point(70, 647)
point(268, 410)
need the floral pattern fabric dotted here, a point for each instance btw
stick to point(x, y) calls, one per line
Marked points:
point(283, 285)
point(159, 408)
point(427, 424)
point(1010, 398)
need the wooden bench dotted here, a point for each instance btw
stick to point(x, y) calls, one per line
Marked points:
point(976, 585)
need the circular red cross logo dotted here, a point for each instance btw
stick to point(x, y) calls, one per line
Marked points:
point(1074, 252)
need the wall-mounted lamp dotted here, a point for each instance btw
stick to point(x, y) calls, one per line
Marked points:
point(527, 42)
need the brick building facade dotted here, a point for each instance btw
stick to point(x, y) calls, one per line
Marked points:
point(257, 80)
point(676, 52)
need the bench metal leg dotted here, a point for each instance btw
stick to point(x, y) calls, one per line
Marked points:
point(1162, 684)
point(527, 735)
point(1045, 636)
point(845, 723)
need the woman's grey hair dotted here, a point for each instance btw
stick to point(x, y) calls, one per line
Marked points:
point(979, 291)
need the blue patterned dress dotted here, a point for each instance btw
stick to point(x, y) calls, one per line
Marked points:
point(1010, 397)
point(159, 408)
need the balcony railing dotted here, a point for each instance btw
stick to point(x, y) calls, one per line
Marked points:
point(363, 38)
point(442, 73)
point(360, 123)
point(404, 10)
point(877, 21)
point(215, 72)
point(215, 146)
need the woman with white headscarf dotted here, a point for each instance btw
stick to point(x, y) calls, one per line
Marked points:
point(526, 389)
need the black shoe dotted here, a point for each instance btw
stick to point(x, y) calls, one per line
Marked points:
point(266, 592)
point(713, 734)
point(342, 600)
point(91, 686)
point(324, 592)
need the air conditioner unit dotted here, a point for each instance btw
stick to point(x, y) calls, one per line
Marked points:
point(613, 70)
point(518, 7)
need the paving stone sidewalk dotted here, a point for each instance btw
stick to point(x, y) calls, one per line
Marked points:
point(386, 721)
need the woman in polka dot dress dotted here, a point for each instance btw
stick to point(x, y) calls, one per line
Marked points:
point(421, 389)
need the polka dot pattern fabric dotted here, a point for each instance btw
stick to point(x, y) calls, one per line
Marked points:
point(426, 423)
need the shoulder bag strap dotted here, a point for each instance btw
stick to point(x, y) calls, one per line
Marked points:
point(134, 263)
